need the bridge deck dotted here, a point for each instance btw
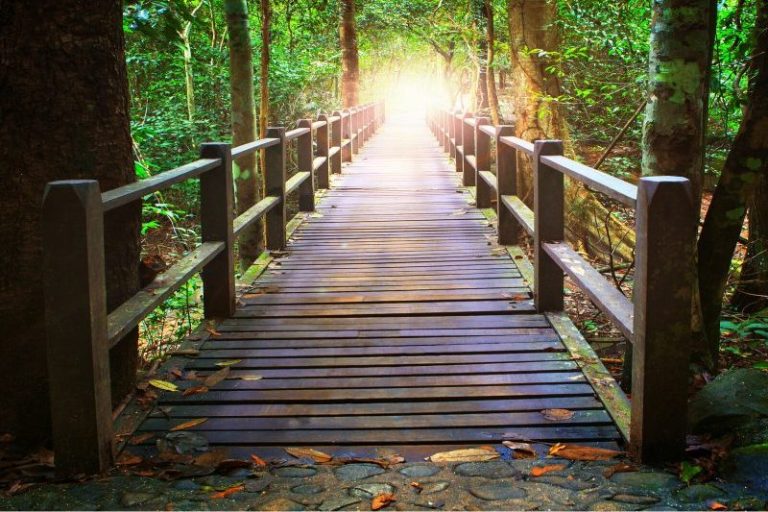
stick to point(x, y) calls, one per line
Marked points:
point(394, 319)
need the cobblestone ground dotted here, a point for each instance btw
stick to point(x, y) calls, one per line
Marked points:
point(492, 485)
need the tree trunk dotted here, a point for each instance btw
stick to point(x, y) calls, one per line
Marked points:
point(490, 38)
point(350, 67)
point(266, 38)
point(742, 186)
point(248, 181)
point(675, 118)
point(64, 105)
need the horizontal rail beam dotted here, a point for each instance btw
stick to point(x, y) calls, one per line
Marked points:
point(615, 188)
point(295, 133)
point(296, 180)
point(318, 124)
point(251, 147)
point(489, 178)
point(134, 310)
point(518, 143)
point(522, 213)
point(254, 213)
point(605, 296)
point(134, 191)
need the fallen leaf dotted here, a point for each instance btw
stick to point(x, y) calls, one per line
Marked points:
point(417, 486)
point(211, 459)
point(128, 459)
point(139, 439)
point(466, 454)
point(317, 456)
point(557, 414)
point(382, 500)
point(258, 461)
point(188, 424)
point(212, 331)
point(164, 385)
point(175, 372)
point(578, 452)
point(228, 492)
point(251, 377)
point(217, 377)
point(543, 470)
point(228, 363)
point(621, 467)
point(17, 487)
point(196, 390)
point(716, 505)
point(520, 450)
point(384, 462)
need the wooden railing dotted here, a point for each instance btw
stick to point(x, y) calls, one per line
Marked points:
point(657, 320)
point(79, 331)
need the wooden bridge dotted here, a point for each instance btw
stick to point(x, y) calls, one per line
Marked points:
point(397, 315)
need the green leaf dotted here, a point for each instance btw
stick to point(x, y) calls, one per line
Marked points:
point(761, 365)
point(688, 471)
point(163, 384)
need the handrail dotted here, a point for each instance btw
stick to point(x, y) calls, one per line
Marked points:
point(79, 333)
point(657, 318)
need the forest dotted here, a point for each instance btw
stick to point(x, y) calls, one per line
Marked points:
point(121, 92)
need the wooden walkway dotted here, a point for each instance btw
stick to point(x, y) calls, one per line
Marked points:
point(394, 320)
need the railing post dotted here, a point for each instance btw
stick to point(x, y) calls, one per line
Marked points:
point(468, 142)
point(452, 134)
point(216, 216)
point(323, 178)
point(482, 163)
point(335, 165)
point(353, 130)
point(549, 226)
point(346, 134)
point(274, 185)
point(305, 164)
point(506, 179)
point(76, 326)
point(445, 139)
point(666, 232)
point(458, 133)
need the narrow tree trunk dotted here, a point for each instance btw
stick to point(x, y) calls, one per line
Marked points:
point(266, 36)
point(64, 105)
point(189, 79)
point(490, 38)
point(350, 67)
point(742, 186)
point(248, 181)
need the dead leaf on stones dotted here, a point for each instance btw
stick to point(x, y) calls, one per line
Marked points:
point(520, 450)
point(217, 377)
point(188, 424)
point(228, 492)
point(621, 467)
point(466, 455)
point(382, 500)
point(129, 459)
point(557, 414)
point(258, 461)
point(316, 455)
point(210, 458)
point(141, 438)
point(578, 452)
point(543, 470)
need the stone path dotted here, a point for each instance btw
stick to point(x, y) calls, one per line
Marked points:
point(492, 485)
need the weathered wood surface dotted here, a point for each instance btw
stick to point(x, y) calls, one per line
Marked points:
point(393, 319)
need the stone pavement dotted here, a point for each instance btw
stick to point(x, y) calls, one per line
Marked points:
point(492, 485)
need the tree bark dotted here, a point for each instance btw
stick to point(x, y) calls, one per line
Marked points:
point(248, 180)
point(490, 38)
point(350, 66)
point(742, 186)
point(266, 39)
point(65, 114)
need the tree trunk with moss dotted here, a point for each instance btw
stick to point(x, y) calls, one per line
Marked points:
point(350, 66)
point(266, 39)
point(743, 186)
point(490, 41)
point(248, 181)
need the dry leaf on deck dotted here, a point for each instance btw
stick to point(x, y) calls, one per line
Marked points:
point(520, 450)
point(196, 390)
point(212, 331)
point(382, 500)
point(557, 414)
point(578, 452)
point(466, 454)
point(228, 363)
point(164, 385)
point(139, 439)
point(217, 377)
point(228, 492)
point(251, 377)
point(543, 470)
point(189, 424)
point(316, 455)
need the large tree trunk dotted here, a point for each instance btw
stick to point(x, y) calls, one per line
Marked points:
point(481, 88)
point(742, 186)
point(490, 38)
point(350, 66)
point(248, 181)
point(64, 109)
point(266, 38)
point(675, 118)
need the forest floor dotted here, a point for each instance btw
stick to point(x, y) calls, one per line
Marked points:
point(300, 484)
